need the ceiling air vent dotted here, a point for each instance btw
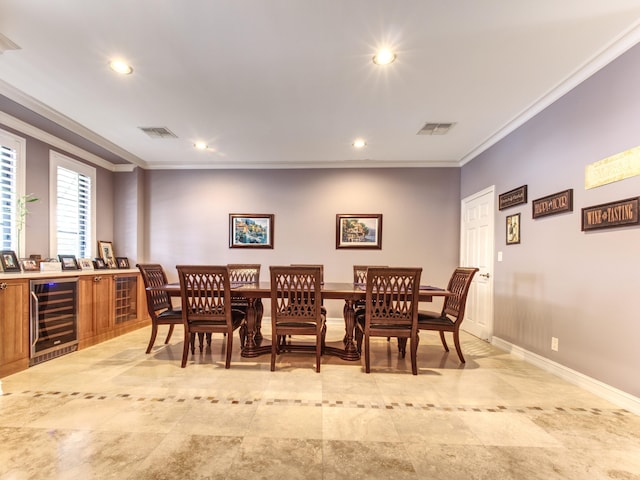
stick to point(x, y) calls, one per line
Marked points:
point(158, 132)
point(436, 128)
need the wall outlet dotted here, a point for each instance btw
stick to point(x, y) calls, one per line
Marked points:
point(554, 344)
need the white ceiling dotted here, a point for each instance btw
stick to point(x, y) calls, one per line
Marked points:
point(290, 83)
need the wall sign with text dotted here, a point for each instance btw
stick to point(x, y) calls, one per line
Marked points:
point(552, 204)
point(512, 197)
point(610, 215)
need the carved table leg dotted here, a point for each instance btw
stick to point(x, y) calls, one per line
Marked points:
point(350, 350)
point(252, 347)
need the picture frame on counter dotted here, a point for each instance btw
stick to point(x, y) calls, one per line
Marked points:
point(105, 249)
point(98, 263)
point(122, 262)
point(9, 261)
point(30, 265)
point(68, 262)
point(85, 263)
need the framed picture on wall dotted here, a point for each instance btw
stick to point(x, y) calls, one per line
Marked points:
point(513, 229)
point(250, 230)
point(362, 231)
point(106, 253)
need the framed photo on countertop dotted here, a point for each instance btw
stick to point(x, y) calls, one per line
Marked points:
point(9, 261)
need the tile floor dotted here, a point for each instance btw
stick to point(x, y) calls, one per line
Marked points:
point(110, 411)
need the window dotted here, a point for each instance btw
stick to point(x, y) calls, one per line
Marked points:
point(72, 207)
point(12, 179)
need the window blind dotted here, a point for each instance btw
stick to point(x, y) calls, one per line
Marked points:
point(8, 195)
point(73, 215)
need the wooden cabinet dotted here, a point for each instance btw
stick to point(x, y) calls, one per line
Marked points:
point(110, 303)
point(94, 307)
point(125, 298)
point(14, 326)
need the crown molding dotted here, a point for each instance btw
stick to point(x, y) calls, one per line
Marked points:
point(54, 141)
point(299, 165)
point(47, 112)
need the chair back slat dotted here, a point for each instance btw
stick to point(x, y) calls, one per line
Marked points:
point(392, 297)
point(205, 292)
point(296, 293)
point(459, 284)
point(360, 273)
point(153, 275)
point(244, 272)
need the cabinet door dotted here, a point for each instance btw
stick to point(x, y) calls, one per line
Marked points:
point(14, 325)
point(103, 303)
point(125, 298)
point(86, 320)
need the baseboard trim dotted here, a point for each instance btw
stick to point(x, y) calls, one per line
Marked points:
point(612, 394)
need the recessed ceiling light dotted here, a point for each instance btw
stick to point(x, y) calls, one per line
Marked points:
point(121, 67)
point(201, 145)
point(359, 143)
point(384, 57)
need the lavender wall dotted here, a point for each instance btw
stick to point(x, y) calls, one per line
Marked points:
point(579, 287)
point(188, 217)
point(37, 182)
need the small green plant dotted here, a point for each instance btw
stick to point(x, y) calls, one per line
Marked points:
point(21, 215)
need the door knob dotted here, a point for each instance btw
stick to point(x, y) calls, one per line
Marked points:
point(485, 275)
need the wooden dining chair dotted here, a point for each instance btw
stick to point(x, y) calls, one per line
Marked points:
point(452, 314)
point(321, 267)
point(161, 311)
point(296, 309)
point(391, 310)
point(245, 273)
point(206, 307)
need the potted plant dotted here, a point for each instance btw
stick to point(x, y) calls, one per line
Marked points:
point(21, 215)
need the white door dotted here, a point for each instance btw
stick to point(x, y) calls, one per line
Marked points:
point(476, 250)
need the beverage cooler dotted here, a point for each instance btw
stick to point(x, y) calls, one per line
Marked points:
point(54, 318)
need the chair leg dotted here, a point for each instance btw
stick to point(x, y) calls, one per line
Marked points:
point(188, 339)
point(166, 340)
point(358, 340)
point(402, 346)
point(227, 363)
point(152, 340)
point(274, 350)
point(456, 341)
point(318, 352)
point(414, 355)
point(444, 342)
point(200, 340)
point(209, 340)
point(367, 360)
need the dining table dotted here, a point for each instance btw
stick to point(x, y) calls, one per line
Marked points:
point(349, 292)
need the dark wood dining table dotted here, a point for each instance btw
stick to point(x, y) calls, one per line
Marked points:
point(349, 292)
